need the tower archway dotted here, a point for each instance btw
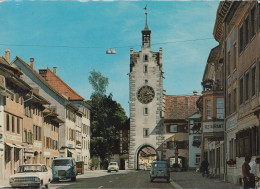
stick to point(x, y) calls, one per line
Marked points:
point(145, 155)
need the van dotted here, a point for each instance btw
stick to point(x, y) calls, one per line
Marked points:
point(160, 169)
point(64, 168)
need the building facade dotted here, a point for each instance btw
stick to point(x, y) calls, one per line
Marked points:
point(176, 131)
point(58, 104)
point(146, 99)
point(195, 129)
point(238, 28)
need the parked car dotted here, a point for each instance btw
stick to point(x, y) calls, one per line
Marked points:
point(148, 168)
point(31, 175)
point(113, 166)
point(160, 169)
point(64, 168)
point(142, 167)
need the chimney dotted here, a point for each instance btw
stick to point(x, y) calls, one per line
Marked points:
point(195, 92)
point(55, 70)
point(7, 55)
point(32, 63)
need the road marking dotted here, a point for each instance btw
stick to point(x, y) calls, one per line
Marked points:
point(176, 185)
point(100, 187)
point(110, 181)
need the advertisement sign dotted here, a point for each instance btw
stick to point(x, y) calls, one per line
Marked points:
point(210, 127)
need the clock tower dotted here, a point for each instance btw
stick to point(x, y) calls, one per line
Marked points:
point(145, 99)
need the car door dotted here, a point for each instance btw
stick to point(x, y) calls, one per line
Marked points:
point(45, 175)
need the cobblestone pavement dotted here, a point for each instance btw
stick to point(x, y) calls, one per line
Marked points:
point(194, 180)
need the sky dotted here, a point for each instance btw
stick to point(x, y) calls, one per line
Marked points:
point(74, 36)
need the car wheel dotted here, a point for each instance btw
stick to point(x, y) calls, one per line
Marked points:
point(168, 179)
point(108, 171)
point(151, 179)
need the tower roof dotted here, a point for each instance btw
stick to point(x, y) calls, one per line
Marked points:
point(146, 25)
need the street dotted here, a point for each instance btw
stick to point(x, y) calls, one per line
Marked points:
point(121, 179)
point(140, 179)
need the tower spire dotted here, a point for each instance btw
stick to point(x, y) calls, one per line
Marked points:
point(146, 25)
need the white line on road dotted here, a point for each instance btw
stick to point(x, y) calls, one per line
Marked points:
point(176, 185)
point(100, 187)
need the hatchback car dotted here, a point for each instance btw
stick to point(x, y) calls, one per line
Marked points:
point(113, 166)
point(160, 169)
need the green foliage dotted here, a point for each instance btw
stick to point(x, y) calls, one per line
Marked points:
point(108, 117)
point(95, 162)
point(98, 82)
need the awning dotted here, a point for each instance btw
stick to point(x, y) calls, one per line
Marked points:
point(19, 146)
point(72, 151)
point(11, 145)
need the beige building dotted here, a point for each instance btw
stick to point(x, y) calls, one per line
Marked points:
point(237, 28)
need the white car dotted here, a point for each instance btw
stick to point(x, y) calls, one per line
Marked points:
point(113, 166)
point(31, 175)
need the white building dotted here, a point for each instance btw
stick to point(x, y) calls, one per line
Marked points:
point(146, 99)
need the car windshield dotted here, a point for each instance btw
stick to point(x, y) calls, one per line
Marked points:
point(62, 162)
point(29, 168)
point(160, 165)
point(112, 163)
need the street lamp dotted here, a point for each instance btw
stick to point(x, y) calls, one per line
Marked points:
point(111, 51)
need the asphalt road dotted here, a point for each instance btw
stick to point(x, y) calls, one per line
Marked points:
point(134, 179)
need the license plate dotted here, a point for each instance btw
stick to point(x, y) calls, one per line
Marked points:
point(25, 184)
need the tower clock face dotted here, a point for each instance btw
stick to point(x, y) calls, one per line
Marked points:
point(145, 94)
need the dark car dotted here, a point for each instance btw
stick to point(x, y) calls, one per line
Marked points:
point(160, 169)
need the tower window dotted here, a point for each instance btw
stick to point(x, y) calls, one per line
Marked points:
point(146, 81)
point(145, 69)
point(146, 132)
point(145, 58)
point(145, 111)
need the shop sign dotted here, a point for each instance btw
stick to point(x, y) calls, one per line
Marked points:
point(231, 122)
point(210, 127)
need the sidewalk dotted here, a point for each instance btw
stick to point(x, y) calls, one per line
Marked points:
point(192, 179)
point(4, 183)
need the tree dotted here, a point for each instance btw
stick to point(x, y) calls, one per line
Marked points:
point(108, 117)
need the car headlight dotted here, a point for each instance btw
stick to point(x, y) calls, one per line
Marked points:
point(37, 179)
point(11, 180)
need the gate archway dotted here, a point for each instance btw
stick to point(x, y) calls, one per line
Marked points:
point(145, 155)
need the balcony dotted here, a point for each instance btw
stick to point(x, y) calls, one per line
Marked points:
point(211, 85)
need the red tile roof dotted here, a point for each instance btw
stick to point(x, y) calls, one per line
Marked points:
point(59, 85)
point(180, 107)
